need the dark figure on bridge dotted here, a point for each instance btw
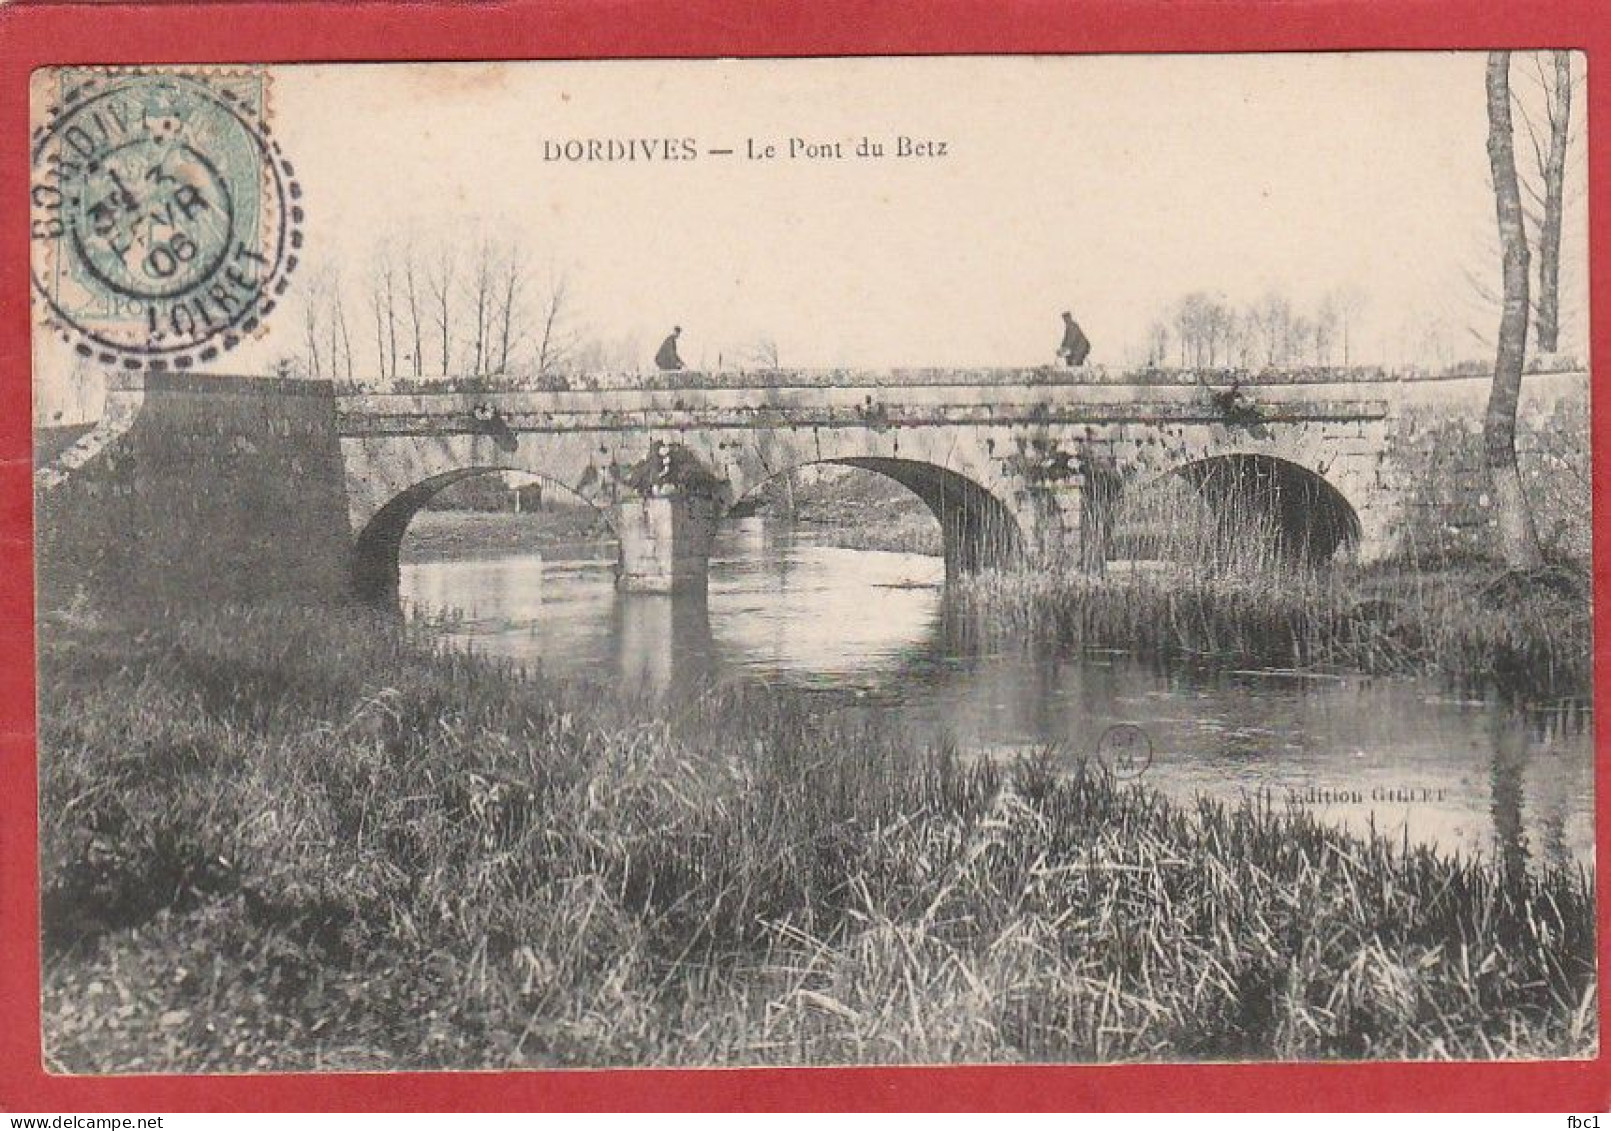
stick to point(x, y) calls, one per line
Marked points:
point(495, 424)
point(666, 357)
point(1076, 346)
point(1236, 406)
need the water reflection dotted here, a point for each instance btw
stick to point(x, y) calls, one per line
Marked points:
point(662, 644)
point(870, 632)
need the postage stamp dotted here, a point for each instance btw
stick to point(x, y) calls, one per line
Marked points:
point(165, 221)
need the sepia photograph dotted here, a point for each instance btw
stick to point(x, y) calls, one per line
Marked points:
point(887, 560)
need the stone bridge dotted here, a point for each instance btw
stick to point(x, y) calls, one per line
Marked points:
point(256, 487)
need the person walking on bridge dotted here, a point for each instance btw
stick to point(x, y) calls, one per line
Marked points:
point(1076, 346)
point(666, 357)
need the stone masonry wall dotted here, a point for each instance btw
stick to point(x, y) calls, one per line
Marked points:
point(1435, 462)
point(665, 542)
point(199, 489)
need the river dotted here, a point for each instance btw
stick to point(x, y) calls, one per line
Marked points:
point(868, 631)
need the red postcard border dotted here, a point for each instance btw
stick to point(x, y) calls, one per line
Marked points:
point(33, 35)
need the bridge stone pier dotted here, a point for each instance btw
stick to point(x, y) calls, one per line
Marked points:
point(245, 487)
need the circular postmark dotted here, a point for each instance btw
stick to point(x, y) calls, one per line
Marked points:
point(1125, 749)
point(165, 221)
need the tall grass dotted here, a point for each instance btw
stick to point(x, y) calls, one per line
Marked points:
point(290, 840)
point(1479, 628)
point(1226, 585)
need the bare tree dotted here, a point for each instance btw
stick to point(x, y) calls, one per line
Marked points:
point(1208, 332)
point(1158, 344)
point(1548, 195)
point(335, 341)
point(481, 301)
point(380, 338)
point(763, 353)
point(310, 327)
point(556, 345)
point(1327, 320)
point(1247, 339)
point(1299, 338)
point(1203, 324)
point(482, 311)
point(1274, 320)
point(411, 293)
point(1346, 303)
point(391, 315)
point(338, 330)
point(1518, 541)
point(1189, 328)
point(1220, 327)
point(508, 317)
point(1552, 167)
point(439, 278)
point(382, 305)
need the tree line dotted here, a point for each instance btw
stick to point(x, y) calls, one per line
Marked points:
point(421, 310)
point(1204, 330)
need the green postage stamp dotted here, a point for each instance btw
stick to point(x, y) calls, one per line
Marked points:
point(165, 220)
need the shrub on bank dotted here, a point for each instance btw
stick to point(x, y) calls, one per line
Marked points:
point(293, 840)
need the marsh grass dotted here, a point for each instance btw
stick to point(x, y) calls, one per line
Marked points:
point(1526, 636)
point(1219, 585)
point(1171, 521)
point(294, 840)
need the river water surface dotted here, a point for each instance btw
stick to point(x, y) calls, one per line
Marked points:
point(867, 631)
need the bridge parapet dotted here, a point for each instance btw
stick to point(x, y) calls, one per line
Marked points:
point(522, 415)
point(934, 377)
point(867, 404)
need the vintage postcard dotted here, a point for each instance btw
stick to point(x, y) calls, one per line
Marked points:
point(819, 561)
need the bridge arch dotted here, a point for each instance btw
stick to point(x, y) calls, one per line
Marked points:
point(1284, 506)
point(978, 530)
point(376, 563)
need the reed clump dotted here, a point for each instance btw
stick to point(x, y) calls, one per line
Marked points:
point(1525, 636)
point(1224, 583)
point(275, 839)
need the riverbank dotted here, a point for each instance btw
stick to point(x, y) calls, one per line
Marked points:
point(298, 840)
point(853, 510)
point(901, 533)
point(455, 535)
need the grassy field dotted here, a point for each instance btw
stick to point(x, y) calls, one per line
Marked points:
point(305, 840)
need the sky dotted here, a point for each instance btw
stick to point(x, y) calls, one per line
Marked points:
point(1109, 186)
